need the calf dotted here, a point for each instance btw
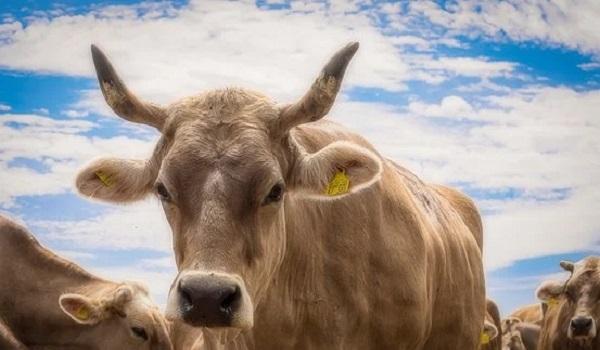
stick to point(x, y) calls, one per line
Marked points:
point(49, 302)
point(571, 321)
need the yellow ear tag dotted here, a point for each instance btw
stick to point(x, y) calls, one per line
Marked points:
point(552, 302)
point(105, 178)
point(484, 338)
point(338, 184)
point(83, 313)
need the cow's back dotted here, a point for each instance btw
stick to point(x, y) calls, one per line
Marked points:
point(466, 209)
point(529, 313)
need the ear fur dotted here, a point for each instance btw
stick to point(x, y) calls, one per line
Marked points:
point(116, 180)
point(314, 172)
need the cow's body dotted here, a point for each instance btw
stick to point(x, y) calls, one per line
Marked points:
point(345, 257)
point(33, 281)
point(389, 262)
point(529, 313)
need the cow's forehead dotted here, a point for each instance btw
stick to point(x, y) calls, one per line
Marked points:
point(224, 105)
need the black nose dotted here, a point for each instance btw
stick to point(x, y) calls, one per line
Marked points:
point(581, 326)
point(208, 301)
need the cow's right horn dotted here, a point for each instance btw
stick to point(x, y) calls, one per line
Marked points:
point(317, 102)
point(120, 99)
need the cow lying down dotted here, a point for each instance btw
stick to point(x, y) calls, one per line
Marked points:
point(47, 302)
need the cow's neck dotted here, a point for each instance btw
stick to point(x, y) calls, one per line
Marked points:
point(37, 286)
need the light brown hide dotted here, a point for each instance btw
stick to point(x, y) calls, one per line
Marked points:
point(393, 264)
point(529, 313)
point(33, 279)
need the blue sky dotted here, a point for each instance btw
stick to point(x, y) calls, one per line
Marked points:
point(498, 99)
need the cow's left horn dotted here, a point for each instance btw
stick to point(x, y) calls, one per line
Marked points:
point(120, 99)
point(319, 99)
point(567, 266)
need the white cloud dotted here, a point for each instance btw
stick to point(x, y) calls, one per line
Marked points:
point(589, 66)
point(72, 113)
point(450, 107)
point(4, 108)
point(213, 44)
point(43, 111)
point(137, 226)
point(59, 148)
point(569, 23)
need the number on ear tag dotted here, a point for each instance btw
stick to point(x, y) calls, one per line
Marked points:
point(339, 184)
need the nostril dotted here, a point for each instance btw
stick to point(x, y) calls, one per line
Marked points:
point(186, 299)
point(229, 298)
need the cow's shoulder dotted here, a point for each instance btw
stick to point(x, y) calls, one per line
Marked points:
point(465, 207)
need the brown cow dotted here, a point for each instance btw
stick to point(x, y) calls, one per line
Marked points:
point(293, 232)
point(520, 335)
point(490, 336)
point(571, 321)
point(530, 313)
point(48, 302)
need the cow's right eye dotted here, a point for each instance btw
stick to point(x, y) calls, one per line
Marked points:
point(162, 192)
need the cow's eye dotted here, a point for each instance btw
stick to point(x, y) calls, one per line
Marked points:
point(162, 192)
point(140, 332)
point(275, 194)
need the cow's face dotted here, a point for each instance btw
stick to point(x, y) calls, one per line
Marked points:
point(577, 300)
point(223, 169)
point(121, 318)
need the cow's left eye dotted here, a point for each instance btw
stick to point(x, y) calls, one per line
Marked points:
point(140, 332)
point(275, 194)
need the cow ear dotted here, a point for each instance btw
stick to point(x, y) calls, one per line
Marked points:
point(338, 169)
point(116, 180)
point(80, 308)
point(489, 333)
point(549, 291)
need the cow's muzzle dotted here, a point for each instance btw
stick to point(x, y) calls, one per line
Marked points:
point(210, 300)
point(582, 327)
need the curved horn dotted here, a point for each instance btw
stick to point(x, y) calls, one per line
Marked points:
point(318, 100)
point(567, 266)
point(120, 99)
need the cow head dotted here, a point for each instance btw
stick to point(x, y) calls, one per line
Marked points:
point(576, 301)
point(118, 318)
point(224, 168)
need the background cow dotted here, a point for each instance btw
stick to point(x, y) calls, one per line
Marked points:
point(294, 232)
point(48, 302)
point(490, 336)
point(530, 313)
point(571, 321)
